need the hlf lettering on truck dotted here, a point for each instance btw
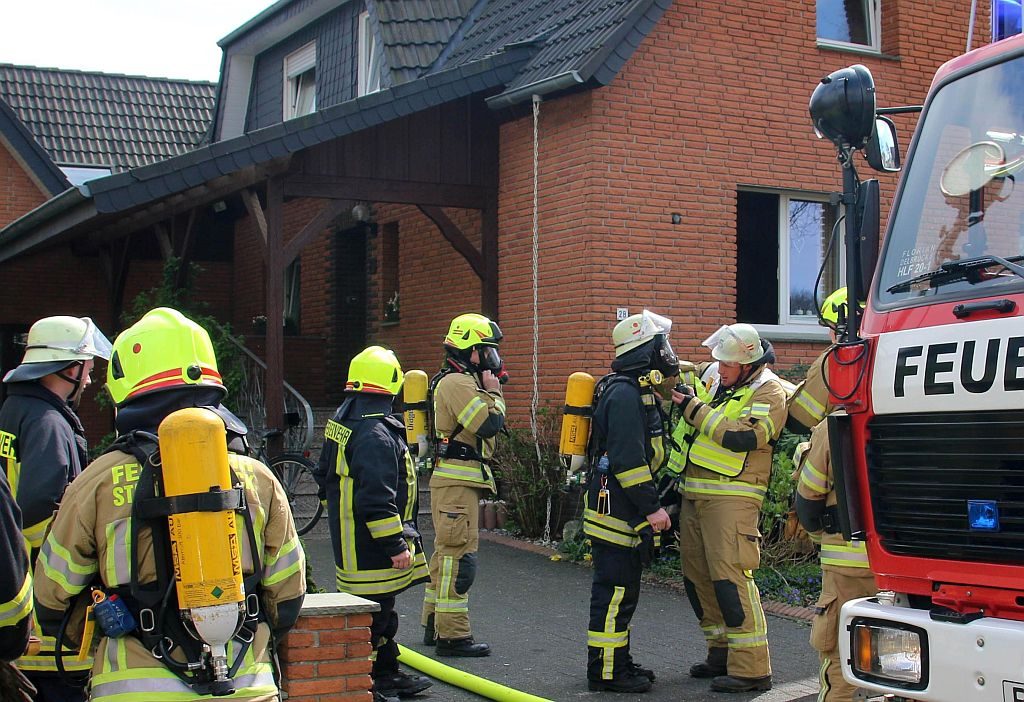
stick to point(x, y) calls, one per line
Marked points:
point(971, 365)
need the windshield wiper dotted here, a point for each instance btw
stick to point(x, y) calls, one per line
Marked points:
point(952, 271)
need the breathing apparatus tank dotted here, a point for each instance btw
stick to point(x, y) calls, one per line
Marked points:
point(414, 394)
point(572, 444)
point(204, 544)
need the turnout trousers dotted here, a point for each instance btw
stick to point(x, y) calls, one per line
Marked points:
point(720, 549)
point(614, 594)
point(836, 590)
point(456, 513)
point(383, 627)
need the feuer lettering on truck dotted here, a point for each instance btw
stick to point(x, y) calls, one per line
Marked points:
point(941, 361)
point(979, 364)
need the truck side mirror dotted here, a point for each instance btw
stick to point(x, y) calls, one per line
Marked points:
point(868, 213)
point(882, 150)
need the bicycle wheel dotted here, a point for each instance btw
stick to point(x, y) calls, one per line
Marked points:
point(295, 472)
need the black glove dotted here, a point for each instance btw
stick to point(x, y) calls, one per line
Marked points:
point(687, 392)
point(646, 548)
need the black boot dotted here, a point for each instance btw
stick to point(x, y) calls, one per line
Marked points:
point(637, 669)
point(467, 648)
point(732, 683)
point(377, 697)
point(429, 632)
point(715, 665)
point(399, 684)
point(626, 682)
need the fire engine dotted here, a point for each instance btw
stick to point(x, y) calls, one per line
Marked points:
point(928, 443)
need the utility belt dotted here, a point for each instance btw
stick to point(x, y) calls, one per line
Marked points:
point(458, 451)
point(830, 520)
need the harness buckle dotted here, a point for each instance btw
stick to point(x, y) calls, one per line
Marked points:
point(245, 635)
point(147, 620)
point(252, 606)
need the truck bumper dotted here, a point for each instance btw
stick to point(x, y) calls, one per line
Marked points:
point(982, 661)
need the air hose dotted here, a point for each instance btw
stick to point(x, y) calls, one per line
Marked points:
point(459, 678)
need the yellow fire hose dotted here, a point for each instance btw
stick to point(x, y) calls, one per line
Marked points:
point(481, 686)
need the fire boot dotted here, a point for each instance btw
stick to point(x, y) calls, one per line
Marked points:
point(626, 682)
point(429, 632)
point(377, 697)
point(399, 684)
point(467, 648)
point(714, 666)
point(732, 683)
point(638, 669)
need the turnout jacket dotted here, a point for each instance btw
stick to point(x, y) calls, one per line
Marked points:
point(15, 579)
point(369, 480)
point(43, 448)
point(89, 544)
point(727, 437)
point(627, 429)
point(810, 402)
point(460, 401)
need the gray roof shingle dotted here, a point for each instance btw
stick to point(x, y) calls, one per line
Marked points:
point(415, 32)
point(101, 119)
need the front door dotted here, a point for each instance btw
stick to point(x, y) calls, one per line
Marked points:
point(350, 301)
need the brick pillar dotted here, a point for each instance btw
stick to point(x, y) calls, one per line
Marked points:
point(326, 655)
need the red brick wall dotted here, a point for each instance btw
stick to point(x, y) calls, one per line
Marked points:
point(326, 656)
point(18, 192)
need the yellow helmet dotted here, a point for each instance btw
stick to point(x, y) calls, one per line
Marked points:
point(833, 304)
point(375, 370)
point(469, 330)
point(163, 350)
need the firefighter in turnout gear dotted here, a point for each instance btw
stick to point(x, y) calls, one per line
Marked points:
point(845, 571)
point(15, 599)
point(725, 437)
point(43, 448)
point(468, 413)
point(622, 513)
point(368, 478)
point(112, 532)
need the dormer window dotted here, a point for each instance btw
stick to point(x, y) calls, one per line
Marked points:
point(369, 58)
point(300, 82)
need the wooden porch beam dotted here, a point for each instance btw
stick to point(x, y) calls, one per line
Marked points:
point(252, 206)
point(330, 212)
point(185, 250)
point(273, 397)
point(456, 238)
point(383, 190)
point(163, 240)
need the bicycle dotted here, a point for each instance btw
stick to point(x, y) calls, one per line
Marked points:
point(295, 473)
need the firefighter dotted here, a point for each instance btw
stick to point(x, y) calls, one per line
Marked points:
point(111, 531)
point(15, 598)
point(468, 412)
point(726, 436)
point(368, 478)
point(845, 571)
point(622, 512)
point(43, 447)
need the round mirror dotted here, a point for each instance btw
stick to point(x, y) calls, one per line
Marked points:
point(972, 169)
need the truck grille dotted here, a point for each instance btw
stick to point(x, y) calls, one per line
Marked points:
point(922, 470)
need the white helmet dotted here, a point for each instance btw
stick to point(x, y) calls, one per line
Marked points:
point(54, 343)
point(735, 343)
point(637, 329)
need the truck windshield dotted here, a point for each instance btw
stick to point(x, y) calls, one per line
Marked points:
point(962, 202)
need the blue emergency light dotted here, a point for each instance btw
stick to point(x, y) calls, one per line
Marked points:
point(983, 515)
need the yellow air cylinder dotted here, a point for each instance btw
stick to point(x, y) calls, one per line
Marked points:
point(207, 563)
point(414, 395)
point(572, 443)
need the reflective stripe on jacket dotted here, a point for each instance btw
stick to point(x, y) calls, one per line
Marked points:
point(460, 401)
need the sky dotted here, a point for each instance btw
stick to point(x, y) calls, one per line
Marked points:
point(155, 38)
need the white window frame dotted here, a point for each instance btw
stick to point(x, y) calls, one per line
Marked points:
point(798, 328)
point(297, 65)
point(368, 69)
point(874, 32)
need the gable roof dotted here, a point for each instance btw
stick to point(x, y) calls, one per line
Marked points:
point(582, 41)
point(28, 152)
point(100, 119)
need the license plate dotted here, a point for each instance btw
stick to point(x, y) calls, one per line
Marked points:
point(1013, 691)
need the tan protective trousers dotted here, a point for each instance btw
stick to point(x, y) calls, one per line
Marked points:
point(456, 513)
point(720, 548)
point(837, 588)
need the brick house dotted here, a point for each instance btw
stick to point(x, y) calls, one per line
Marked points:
point(548, 163)
point(61, 128)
